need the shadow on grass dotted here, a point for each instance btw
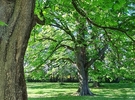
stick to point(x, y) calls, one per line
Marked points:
point(117, 85)
point(80, 98)
point(54, 86)
point(55, 91)
point(75, 85)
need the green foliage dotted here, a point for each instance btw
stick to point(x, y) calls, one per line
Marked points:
point(110, 22)
point(2, 23)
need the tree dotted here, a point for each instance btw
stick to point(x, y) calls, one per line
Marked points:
point(76, 18)
point(91, 28)
point(18, 16)
point(74, 38)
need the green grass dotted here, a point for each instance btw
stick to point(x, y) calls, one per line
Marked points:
point(55, 91)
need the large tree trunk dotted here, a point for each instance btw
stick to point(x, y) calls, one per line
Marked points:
point(18, 15)
point(83, 82)
point(81, 60)
point(82, 75)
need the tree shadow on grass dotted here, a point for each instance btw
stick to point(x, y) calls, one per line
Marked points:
point(54, 86)
point(80, 98)
point(105, 92)
point(117, 85)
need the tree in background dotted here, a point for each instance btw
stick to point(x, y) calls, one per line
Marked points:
point(67, 45)
point(87, 30)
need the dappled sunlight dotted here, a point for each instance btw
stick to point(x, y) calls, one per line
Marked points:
point(50, 92)
point(54, 90)
point(115, 93)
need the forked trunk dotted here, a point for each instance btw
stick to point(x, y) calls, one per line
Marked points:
point(18, 15)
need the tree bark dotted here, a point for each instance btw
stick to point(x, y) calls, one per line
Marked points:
point(96, 84)
point(82, 74)
point(18, 15)
point(81, 60)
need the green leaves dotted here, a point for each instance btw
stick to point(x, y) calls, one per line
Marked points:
point(2, 23)
point(119, 4)
point(110, 22)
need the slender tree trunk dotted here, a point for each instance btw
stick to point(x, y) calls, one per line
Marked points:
point(96, 84)
point(18, 15)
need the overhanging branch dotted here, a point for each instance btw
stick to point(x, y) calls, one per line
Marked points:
point(66, 46)
point(61, 44)
point(43, 62)
point(47, 38)
point(65, 29)
point(82, 13)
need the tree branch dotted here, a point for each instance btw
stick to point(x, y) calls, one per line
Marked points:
point(68, 59)
point(99, 55)
point(40, 65)
point(60, 45)
point(82, 13)
point(68, 47)
point(65, 29)
point(47, 38)
point(38, 21)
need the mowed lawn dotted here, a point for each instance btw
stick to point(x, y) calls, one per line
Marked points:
point(55, 91)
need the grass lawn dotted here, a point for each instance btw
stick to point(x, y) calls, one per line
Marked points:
point(55, 91)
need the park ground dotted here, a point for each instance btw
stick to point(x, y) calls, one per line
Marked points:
point(67, 91)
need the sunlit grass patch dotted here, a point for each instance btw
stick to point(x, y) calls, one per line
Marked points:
point(50, 92)
point(55, 91)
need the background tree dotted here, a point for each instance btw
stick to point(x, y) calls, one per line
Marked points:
point(91, 29)
point(78, 38)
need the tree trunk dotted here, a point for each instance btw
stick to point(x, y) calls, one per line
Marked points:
point(81, 58)
point(82, 71)
point(83, 77)
point(96, 84)
point(83, 82)
point(18, 15)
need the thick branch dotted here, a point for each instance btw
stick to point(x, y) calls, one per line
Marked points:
point(66, 29)
point(60, 45)
point(38, 21)
point(99, 55)
point(82, 13)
